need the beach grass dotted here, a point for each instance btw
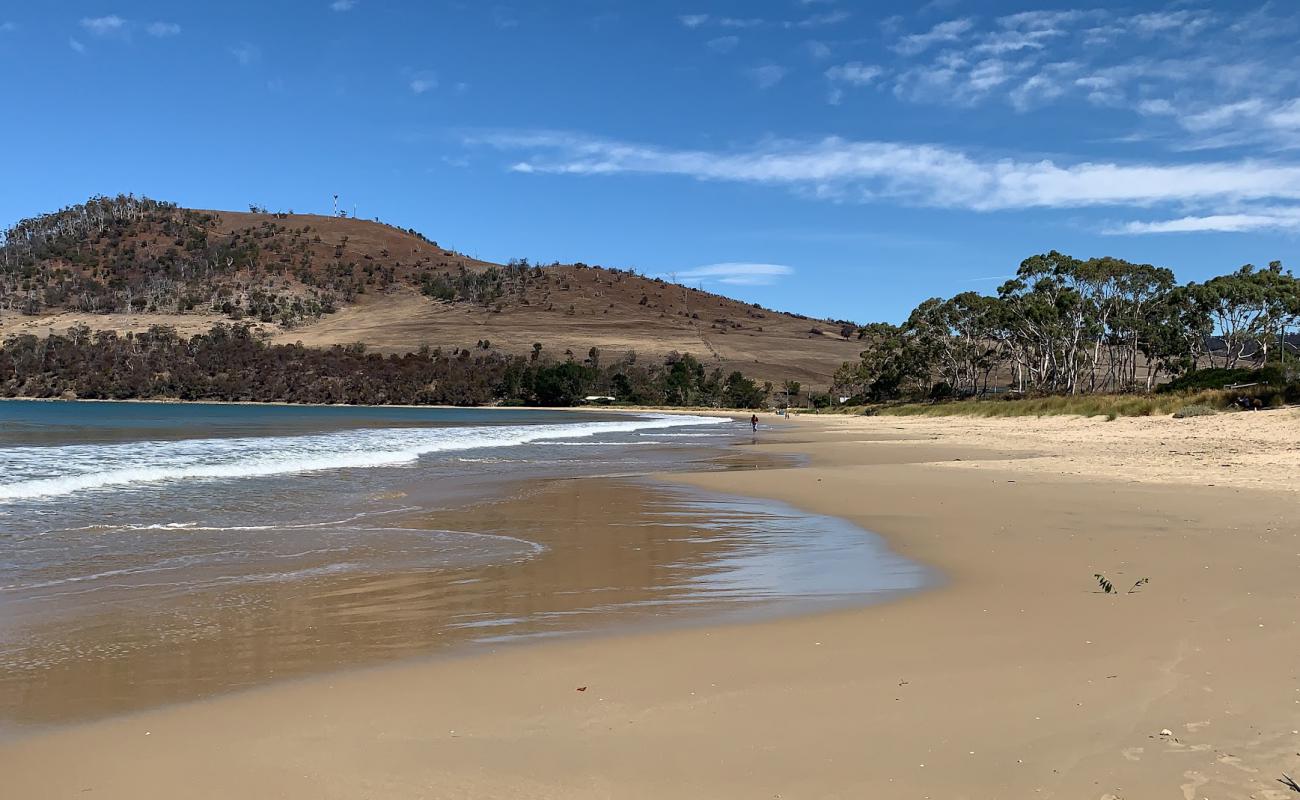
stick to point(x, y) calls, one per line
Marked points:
point(1111, 406)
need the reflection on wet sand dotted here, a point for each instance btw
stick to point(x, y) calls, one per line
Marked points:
point(608, 552)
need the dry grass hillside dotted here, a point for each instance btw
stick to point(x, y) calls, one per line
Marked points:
point(326, 281)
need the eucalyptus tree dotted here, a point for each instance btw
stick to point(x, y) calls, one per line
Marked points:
point(958, 338)
point(890, 365)
point(1250, 310)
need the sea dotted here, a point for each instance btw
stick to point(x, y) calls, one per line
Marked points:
point(154, 552)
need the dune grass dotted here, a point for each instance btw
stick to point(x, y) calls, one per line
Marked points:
point(1111, 406)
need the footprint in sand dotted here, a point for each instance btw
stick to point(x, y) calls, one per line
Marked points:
point(1133, 753)
point(1233, 761)
point(1195, 780)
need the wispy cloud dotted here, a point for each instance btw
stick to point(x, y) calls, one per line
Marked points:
point(423, 81)
point(1188, 77)
point(821, 20)
point(735, 273)
point(944, 32)
point(246, 53)
point(855, 73)
point(343, 5)
point(930, 175)
point(693, 20)
point(504, 17)
point(767, 75)
point(8, 27)
point(104, 26)
point(723, 44)
point(1281, 219)
point(163, 29)
point(818, 50)
point(77, 46)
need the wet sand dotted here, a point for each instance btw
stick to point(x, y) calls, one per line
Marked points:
point(556, 557)
point(1016, 678)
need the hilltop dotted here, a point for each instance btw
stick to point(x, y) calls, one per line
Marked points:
point(126, 264)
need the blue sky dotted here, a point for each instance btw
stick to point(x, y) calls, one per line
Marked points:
point(837, 158)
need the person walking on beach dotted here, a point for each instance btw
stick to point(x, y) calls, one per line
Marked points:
point(753, 421)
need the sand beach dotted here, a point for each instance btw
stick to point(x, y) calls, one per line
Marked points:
point(1016, 677)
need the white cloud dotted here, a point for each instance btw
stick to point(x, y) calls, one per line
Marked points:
point(733, 273)
point(1284, 219)
point(343, 5)
point(163, 29)
point(1182, 76)
point(1220, 116)
point(693, 20)
point(76, 45)
point(1158, 106)
point(768, 75)
point(855, 73)
point(246, 53)
point(723, 44)
point(104, 26)
point(989, 74)
point(1048, 84)
point(1183, 22)
point(821, 20)
point(8, 27)
point(423, 81)
point(950, 31)
point(919, 174)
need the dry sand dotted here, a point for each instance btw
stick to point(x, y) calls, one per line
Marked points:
point(1016, 679)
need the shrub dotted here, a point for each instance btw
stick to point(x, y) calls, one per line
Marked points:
point(1197, 410)
point(1219, 377)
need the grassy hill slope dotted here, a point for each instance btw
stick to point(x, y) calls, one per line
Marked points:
point(126, 264)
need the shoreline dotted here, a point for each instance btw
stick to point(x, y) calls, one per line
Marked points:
point(610, 409)
point(693, 571)
point(892, 700)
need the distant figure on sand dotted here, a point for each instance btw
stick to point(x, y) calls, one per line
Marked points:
point(753, 421)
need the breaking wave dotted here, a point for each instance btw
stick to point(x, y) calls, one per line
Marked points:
point(58, 471)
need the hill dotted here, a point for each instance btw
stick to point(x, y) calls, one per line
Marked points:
point(127, 263)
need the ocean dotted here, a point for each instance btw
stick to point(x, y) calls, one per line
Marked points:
point(154, 552)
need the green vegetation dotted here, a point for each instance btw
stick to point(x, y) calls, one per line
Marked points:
point(1194, 411)
point(1071, 327)
point(1094, 338)
point(1097, 405)
point(231, 363)
point(1220, 377)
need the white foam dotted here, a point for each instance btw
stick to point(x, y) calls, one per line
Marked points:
point(45, 472)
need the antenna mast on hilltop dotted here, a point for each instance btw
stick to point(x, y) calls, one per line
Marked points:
point(336, 205)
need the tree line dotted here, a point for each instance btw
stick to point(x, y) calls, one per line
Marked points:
point(1064, 325)
point(231, 362)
